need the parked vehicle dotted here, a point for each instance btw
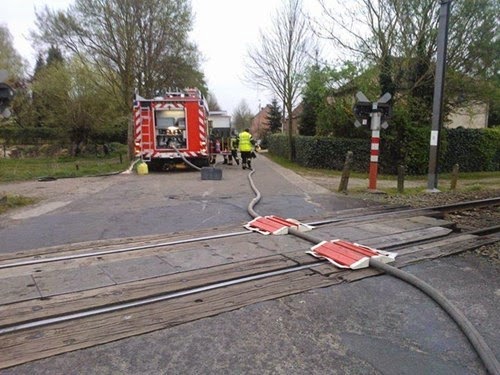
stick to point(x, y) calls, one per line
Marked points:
point(169, 125)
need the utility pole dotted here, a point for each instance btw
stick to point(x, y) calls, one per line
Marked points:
point(437, 105)
point(374, 148)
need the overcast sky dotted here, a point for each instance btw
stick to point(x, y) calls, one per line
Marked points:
point(223, 31)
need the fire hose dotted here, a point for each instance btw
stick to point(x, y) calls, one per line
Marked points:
point(477, 341)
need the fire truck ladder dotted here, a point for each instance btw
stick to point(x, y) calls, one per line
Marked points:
point(147, 139)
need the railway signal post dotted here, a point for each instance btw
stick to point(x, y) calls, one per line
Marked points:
point(376, 114)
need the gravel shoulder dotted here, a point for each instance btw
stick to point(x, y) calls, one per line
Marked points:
point(467, 190)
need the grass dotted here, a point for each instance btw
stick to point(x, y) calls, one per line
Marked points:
point(467, 181)
point(8, 202)
point(284, 162)
point(24, 169)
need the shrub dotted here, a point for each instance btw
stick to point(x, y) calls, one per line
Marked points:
point(473, 149)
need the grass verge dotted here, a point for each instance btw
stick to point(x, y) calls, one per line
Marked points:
point(24, 169)
point(467, 181)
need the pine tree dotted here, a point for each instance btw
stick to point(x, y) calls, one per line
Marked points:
point(54, 55)
point(313, 98)
point(274, 117)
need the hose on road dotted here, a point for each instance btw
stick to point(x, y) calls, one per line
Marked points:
point(477, 341)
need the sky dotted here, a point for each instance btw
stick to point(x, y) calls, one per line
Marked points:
point(224, 30)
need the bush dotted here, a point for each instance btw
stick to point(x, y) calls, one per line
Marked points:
point(323, 152)
point(473, 149)
point(34, 135)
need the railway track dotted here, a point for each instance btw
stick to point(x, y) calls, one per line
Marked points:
point(351, 216)
point(183, 289)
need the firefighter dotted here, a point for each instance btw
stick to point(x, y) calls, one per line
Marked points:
point(234, 151)
point(245, 143)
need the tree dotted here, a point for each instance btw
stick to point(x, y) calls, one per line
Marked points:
point(51, 87)
point(131, 44)
point(213, 105)
point(71, 101)
point(314, 96)
point(399, 37)
point(10, 60)
point(242, 116)
point(54, 56)
point(274, 117)
point(54, 64)
point(327, 100)
point(280, 60)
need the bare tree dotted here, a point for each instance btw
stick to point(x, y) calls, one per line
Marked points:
point(242, 116)
point(279, 62)
point(212, 102)
point(139, 44)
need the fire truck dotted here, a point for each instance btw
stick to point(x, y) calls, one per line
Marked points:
point(176, 122)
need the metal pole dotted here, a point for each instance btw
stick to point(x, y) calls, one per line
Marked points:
point(374, 152)
point(437, 105)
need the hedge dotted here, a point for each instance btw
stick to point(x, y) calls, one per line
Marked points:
point(17, 135)
point(473, 149)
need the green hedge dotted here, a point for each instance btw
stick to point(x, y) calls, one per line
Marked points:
point(17, 135)
point(473, 149)
point(322, 152)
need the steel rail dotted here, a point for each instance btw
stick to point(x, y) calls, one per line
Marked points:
point(168, 296)
point(121, 250)
point(478, 343)
point(150, 300)
point(468, 204)
point(164, 297)
point(446, 208)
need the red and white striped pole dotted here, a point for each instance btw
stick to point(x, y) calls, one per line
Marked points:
point(375, 149)
point(364, 109)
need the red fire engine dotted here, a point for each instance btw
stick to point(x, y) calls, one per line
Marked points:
point(177, 119)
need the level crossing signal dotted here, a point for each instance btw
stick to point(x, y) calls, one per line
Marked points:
point(6, 95)
point(364, 110)
point(376, 114)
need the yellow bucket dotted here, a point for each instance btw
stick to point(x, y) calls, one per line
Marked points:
point(142, 168)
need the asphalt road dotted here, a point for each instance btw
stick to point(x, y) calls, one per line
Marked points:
point(374, 326)
point(129, 205)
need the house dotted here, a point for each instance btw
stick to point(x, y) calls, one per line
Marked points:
point(260, 124)
point(473, 116)
point(297, 111)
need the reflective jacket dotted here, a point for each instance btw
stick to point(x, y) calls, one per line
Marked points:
point(234, 143)
point(245, 141)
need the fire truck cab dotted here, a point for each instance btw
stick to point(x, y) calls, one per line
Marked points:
point(170, 125)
